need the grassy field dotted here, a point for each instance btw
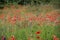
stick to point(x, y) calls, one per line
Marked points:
point(30, 23)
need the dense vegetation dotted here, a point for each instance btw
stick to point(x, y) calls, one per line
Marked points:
point(56, 3)
point(29, 20)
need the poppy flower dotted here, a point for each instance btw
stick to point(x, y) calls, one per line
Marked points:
point(18, 11)
point(2, 16)
point(19, 17)
point(38, 37)
point(12, 37)
point(57, 22)
point(55, 38)
point(30, 19)
point(40, 18)
point(13, 20)
point(3, 38)
point(51, 18)
point(9, 18)
point(28, 38)
point(22, 19)
point(38, 32)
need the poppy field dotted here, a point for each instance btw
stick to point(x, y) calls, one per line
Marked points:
point(30, 23)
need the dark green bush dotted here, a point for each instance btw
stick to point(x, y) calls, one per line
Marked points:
point(26, 1)
point(56, 3)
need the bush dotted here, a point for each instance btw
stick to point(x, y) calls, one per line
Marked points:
point(55, 3)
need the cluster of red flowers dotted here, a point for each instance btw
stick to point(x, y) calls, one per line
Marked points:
point(11, 38)
point(31, 17)
point(37, 33)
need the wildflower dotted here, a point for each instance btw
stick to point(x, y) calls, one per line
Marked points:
point(51, 18)
point(40, 18)
point(18, 17)
point(38, 37)
point(12, 37)
point(13, 20)
point(30, 19)
point(22, 19)
point(2, 16)
point(38, 32)
point(9, 18)
point(55, 38)
point(28, 38)
point(57, 22)
point(3, 38)
point(18, 11)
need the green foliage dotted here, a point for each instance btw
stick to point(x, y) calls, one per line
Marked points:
point(56, 3)
point(57, 31)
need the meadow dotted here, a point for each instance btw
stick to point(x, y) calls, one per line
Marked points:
point(41, 22)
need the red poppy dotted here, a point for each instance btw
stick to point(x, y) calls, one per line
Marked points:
point(55, 38)
point(13, 20)
point(38, 32)
point(9, 18)
point(51, 18)
point(29, 38)
point(30, 16)
point(19, 17)
point(38, 37)
point(57, 22)
point(30, 19)
point(40, 18)
point(18, 11)
point(3, 38)
point(2, 16)
point(12, 37)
